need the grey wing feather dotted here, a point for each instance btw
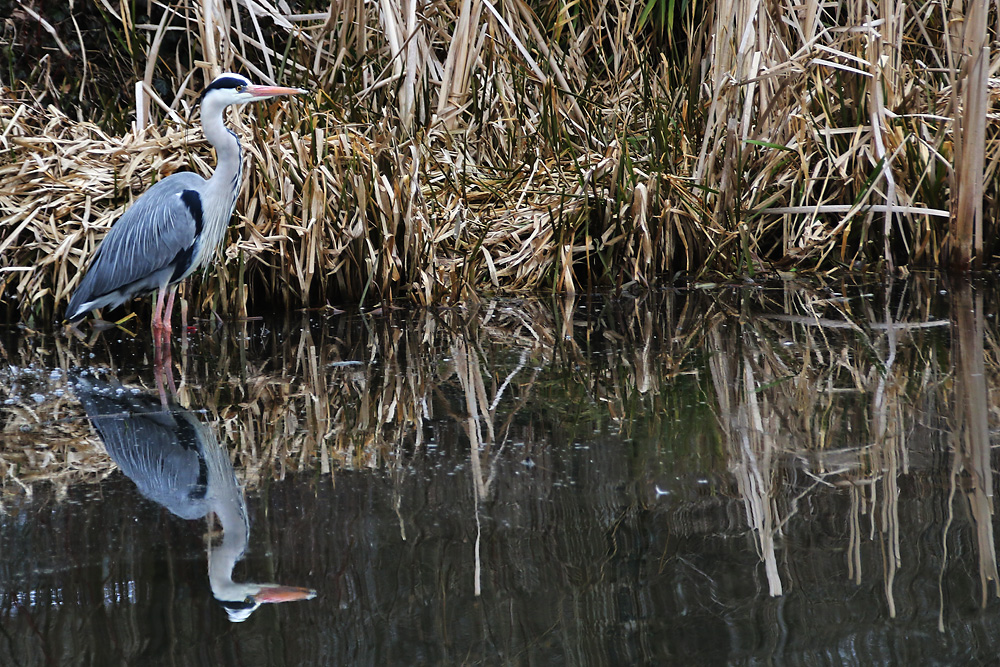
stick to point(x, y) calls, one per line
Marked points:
point(145, 239)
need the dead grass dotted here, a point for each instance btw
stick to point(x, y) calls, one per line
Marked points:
point(475, 146)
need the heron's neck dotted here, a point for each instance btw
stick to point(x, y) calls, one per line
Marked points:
point(229, 166)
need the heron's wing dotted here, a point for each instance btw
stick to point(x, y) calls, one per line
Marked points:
point(151, 235)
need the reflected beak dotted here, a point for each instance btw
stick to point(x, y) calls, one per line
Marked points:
point(272, 593)
point(264, 92)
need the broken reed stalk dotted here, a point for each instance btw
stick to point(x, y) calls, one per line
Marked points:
point(438, 155)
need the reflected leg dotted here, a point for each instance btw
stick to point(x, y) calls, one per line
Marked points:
point(163, 372)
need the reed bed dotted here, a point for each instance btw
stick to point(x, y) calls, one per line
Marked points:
point(473, 146)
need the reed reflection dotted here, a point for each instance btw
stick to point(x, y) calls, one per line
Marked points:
point(176, 461)
point(971, 468)
point(459, 468)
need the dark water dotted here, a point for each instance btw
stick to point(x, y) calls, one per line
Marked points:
point(778, 474)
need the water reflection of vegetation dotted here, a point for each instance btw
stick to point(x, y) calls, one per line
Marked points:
point(795, 392)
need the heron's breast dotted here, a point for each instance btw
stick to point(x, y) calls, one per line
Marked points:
point(218, 211)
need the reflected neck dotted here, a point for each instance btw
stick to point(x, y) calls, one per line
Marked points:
point(230, 508)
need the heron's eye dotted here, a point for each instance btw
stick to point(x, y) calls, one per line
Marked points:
point(239, 89)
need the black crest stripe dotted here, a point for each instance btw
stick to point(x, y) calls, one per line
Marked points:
point(224, 82)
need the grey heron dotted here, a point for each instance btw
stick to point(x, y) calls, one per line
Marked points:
point(175, 227)
point(175, 460)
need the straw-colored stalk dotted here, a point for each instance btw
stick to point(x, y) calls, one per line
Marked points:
point(475, 145)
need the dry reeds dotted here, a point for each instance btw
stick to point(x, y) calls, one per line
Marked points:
point(450, 147)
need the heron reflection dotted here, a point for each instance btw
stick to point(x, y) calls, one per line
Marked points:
point(175, 460)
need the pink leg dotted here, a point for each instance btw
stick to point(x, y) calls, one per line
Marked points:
point(169, 310)
point(158, 352)
point(158, 314)
point(163, 365)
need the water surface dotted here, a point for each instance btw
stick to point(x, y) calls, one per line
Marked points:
point(793, 473)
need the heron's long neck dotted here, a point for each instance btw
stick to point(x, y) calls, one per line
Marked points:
point(229, 168)
point(220, 199)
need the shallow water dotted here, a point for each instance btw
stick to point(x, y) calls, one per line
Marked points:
point(784, 473)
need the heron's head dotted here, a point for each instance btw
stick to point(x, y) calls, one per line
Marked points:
point(231, 88)
point(241, 600)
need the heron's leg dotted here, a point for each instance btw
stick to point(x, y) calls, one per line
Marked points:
point(158, 314)
point(167, 316)
point(158, 359)
point(159, 335)
point(163, 364)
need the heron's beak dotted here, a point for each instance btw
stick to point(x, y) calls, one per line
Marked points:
point(264, 92)
point(272, 593)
